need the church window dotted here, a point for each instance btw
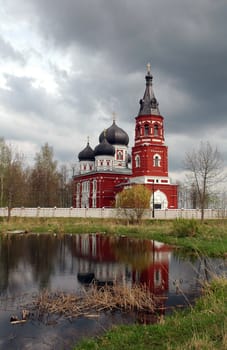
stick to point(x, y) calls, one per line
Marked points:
point(156, 131)
point(94, 202)
point(157, 277)
point(146, 130)
point(156, 160)
point(137, 159)
point(85, 186)
point(119, 155)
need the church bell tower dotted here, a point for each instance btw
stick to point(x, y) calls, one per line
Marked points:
point(149, 153)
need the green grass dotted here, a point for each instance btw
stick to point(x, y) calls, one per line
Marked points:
point(201, 327)
point(209, 237)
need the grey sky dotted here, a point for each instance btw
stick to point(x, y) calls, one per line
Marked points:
point(67, 65)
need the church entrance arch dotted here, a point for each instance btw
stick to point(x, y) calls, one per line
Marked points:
point(159, 200)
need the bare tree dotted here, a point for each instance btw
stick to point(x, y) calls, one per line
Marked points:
point(206, 170)
point(5, 157)
point(12, 177)
point(65, 187)
point(39, 185)
point(44, 182)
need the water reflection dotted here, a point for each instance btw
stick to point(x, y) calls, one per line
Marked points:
point(30, 263)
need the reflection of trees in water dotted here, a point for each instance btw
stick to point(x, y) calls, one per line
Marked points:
point(41, 255)
point(12, 248)
point(136, 253)
point(204, 267)
point(38, 251)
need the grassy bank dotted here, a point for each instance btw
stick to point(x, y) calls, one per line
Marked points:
point(203, 327)
point(208, 238)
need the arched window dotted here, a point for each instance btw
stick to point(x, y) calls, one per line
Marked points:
point(119, 155)
point(156, 131)
point(137, 131)
point(137, 160)
point(156, 160)
point(146, 130)
point(94, 185)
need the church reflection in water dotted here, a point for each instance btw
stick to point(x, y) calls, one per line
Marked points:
point(164, 270)
point(30, 263)
point(107, 260)
point(66, 262)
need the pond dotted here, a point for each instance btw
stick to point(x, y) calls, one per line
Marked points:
point(31, 263)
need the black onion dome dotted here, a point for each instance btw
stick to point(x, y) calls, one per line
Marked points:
point(104, 148)
point(115, 135)
point(87, 153)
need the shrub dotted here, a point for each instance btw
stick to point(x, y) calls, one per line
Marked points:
point(185, 227)
point(132, 203)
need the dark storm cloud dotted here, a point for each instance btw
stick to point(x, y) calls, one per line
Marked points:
point(176, 31)
point(184, 40)
point(40, 116)
point(21, 97)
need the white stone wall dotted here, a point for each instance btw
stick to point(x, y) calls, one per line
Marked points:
point(112, 213)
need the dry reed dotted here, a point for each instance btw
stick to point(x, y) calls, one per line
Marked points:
point(96, 299)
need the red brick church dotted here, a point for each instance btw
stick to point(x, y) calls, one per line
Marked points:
point(109, 167)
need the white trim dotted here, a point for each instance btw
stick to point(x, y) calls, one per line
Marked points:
point(150, 179)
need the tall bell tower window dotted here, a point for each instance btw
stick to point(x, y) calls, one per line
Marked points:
point(146, 130)
point(137, 160)
point(156, 131)
point(156, 160)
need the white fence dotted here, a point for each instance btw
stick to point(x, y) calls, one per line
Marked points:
point(112, 213)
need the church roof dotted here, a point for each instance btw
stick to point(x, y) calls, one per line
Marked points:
point(104, 148)
point(87, 153)
point(115, 135)
point(149, 103)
